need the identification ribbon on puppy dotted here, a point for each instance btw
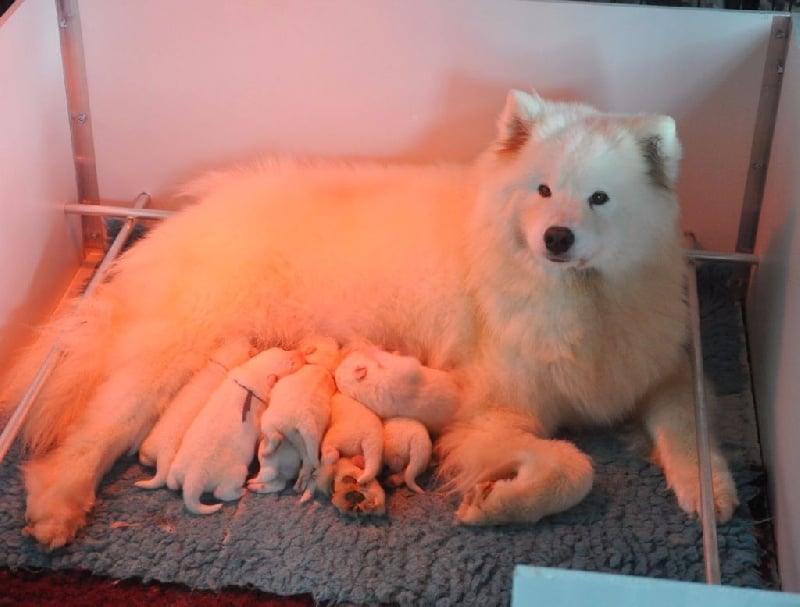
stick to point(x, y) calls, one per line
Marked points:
point(248, 399)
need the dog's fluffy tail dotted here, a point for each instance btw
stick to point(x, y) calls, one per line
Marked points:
point(81, 338)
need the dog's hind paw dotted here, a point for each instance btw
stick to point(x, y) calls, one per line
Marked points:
point(52, 533)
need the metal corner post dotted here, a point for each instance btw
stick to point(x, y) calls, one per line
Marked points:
point(80, 118)
point(764, 129)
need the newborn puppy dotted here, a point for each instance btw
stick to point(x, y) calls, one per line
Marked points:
point(160, 446)
point(219, 445)
point(354, 430)
point(321, 350)
point(299, 412)
point(276, 469)
point(407, 451)
point(398, 386)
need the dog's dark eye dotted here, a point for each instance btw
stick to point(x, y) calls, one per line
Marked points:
point(544, 191)
point(598, 197)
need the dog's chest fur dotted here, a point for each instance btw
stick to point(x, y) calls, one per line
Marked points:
point(573, 353)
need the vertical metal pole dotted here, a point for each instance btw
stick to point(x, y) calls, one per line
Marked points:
point(763, 131)
point(77, 90)
point(707, 509)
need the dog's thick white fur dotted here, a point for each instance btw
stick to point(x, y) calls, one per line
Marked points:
point(407, 451)
point(394, 385)
point(354, 430)
point(161, 445)
point(449, 264)
point(219, 445)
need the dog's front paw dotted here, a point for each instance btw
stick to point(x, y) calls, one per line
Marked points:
point(476, 508)
point(683, 477)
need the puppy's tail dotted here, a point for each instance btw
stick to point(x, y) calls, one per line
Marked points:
point(192, 490)
point(419, 456)
point(158, 480)
point(373, 460)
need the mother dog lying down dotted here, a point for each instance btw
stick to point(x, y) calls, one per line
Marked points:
point(548, 277)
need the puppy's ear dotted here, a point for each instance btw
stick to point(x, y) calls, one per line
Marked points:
point(515, 123)
point(658, 142)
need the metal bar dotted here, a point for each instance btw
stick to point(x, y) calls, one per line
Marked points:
point(115, 211)
point(101, 210)
point(707, 508)
point(80, 122)
point(763, 132)
point(17, 419)
point(746, 258)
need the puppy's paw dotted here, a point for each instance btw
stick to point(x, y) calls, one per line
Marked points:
point(270, 486)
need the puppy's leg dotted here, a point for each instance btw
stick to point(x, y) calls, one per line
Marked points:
point(508, 475)
point(668, 414)
point(61, 484)
point(232, 489)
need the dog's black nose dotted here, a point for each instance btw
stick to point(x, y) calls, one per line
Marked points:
point(558, 239)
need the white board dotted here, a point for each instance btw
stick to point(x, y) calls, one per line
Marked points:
point(181, 84)
point(38, 250)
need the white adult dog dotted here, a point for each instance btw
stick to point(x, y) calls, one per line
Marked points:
point(548, 276)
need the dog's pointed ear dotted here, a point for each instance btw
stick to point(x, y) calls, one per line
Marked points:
point(515, 123)
point(658, 141)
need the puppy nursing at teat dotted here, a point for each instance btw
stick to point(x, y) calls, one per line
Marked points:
point(217, 449)
point(160, 446)
point(393, 385)
point(545, 280)
point(299, 412)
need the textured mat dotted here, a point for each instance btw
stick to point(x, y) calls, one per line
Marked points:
point(630, 523)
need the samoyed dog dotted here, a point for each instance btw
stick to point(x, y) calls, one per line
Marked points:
point(548, 277)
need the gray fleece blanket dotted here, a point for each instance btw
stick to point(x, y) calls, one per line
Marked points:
point(630, 523)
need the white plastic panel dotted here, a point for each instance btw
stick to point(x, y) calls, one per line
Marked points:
point(181, 84)
point(774, 322)
point(567, 588)
point(38, 255)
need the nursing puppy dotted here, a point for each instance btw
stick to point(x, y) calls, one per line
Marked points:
point(218, 447)
point(161, 445)
point(354, 430)
point(407, 450)
point(393, 385)
point(278, 465)
point(299, 412)
point(547, 277)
